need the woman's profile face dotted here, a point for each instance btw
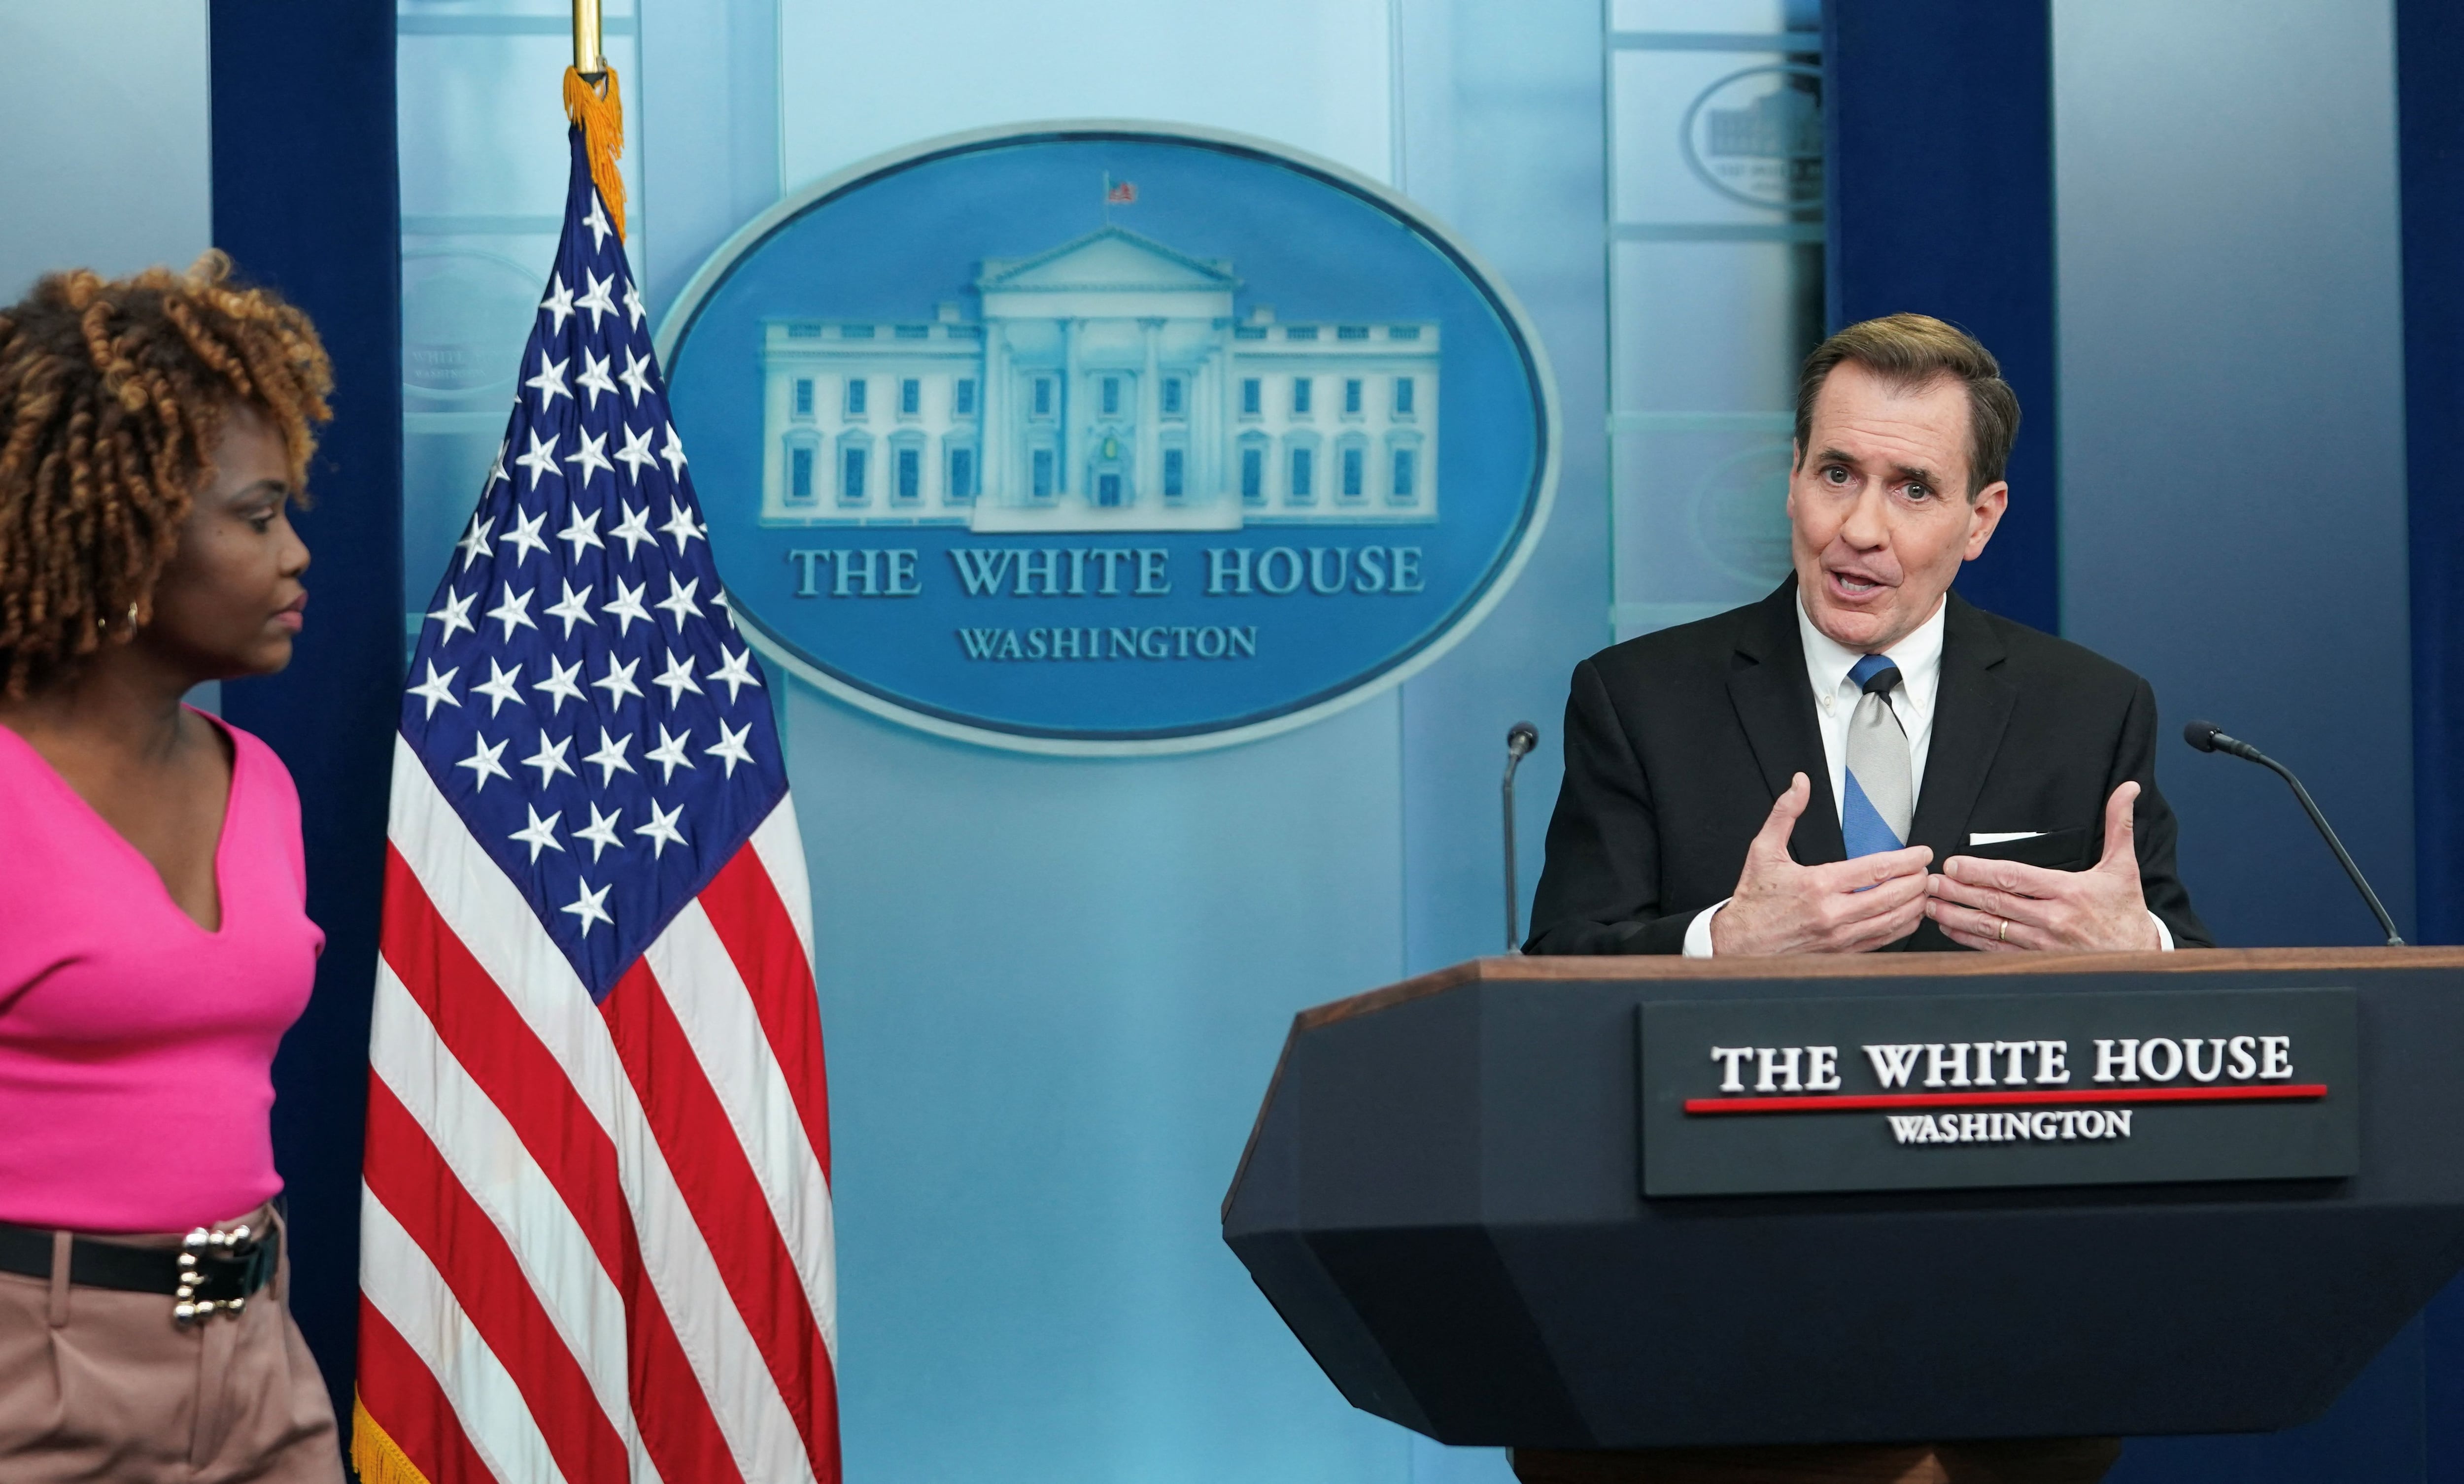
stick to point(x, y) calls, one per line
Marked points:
point(230, 600)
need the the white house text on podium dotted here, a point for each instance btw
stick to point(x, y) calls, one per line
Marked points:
point(1106, 386)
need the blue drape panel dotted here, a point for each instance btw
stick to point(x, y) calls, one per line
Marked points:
point(305, 200)
point(2430, 50)
point(1940, 183)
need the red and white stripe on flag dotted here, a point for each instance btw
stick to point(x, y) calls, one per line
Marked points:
point(597, 1237)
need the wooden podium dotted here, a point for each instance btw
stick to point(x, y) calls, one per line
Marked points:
point(1616, 1204)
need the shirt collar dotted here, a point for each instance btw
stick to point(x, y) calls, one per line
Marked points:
point(1919, 655)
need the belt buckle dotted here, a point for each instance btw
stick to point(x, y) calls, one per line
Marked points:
point(237, 1247)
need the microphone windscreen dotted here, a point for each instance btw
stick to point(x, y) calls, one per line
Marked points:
point(2201, 735)
point(1522, 737)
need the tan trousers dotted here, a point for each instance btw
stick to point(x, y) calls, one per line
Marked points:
point(103, 1385)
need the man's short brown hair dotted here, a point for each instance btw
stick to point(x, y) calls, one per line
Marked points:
point(1911, 350)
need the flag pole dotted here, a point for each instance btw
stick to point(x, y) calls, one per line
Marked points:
point(587, 57)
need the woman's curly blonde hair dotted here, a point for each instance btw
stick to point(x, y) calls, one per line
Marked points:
point(113, 392)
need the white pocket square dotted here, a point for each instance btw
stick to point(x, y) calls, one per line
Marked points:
point(2001, 837)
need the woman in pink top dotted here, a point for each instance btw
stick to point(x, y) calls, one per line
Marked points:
point(153, 941)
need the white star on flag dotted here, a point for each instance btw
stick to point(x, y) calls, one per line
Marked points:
point(587, 907)
point(730, 747)
point(550, 382)
point(662, 829)
point(581, 529)
point(558, 302)
point(437, 688)
point(474, 544)
point(560, 684)
point(670, 754)
point(549, 759)
point(677, 679)
point(597, 299)
point(499, 687)
point(539, 834)
point(735, 669)
point(633, 529)
point(618, 682)
point(572, 608)
point(625, 607)
point(483, 764)
point(636, 378)
point(681, 525)
point(611, 757)
point(602, 833)
point(635, 454)
point(525, 538)
point(679, 602)
point(540, 460)
point(592, 454)
point(514, 610)
point(456, 613)
point(594, 378)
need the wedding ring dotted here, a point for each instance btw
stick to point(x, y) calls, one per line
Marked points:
point(2002, 935)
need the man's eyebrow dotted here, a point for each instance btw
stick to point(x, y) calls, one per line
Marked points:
point(1904, 473)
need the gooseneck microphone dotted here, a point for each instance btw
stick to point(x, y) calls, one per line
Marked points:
point(2208, 738)
point(1520, 738)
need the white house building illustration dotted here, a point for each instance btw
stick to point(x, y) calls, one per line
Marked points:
point(1103, 386)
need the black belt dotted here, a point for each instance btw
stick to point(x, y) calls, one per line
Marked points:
point(210, 1270)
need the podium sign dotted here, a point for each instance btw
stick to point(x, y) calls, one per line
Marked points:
point(1780, 1096)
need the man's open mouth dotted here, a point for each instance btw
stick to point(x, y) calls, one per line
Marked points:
point(1856, 584)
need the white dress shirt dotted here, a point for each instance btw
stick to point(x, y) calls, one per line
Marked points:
point(1827, 663)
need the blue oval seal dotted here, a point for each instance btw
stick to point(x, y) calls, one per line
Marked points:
point(1109, 438)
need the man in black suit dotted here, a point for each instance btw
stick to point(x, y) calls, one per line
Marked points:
point(1779, 779)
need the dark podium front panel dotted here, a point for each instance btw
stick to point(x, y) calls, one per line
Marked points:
point(1445, 1198)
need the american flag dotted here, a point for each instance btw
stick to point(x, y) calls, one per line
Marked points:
point(596, 1231)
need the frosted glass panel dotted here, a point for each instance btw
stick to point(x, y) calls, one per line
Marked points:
point(1702, 136)
point(1312, 73)
point(1713, 326)
point(483, 171)
point(1715, 15)
point(1714, 120)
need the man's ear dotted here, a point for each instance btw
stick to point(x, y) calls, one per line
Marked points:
point(1984, 514)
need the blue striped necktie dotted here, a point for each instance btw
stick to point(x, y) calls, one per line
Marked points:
point(1874, 815)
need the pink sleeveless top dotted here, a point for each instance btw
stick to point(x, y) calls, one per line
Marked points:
point(137, 1048)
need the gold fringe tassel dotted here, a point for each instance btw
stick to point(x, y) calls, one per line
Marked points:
point(374, 1456)
point(602, 120)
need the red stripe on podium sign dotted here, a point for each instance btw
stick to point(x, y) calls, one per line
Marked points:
point(1862, 1103)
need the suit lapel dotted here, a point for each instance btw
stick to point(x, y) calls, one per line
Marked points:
point(1766, 685)
point(1970, 710)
